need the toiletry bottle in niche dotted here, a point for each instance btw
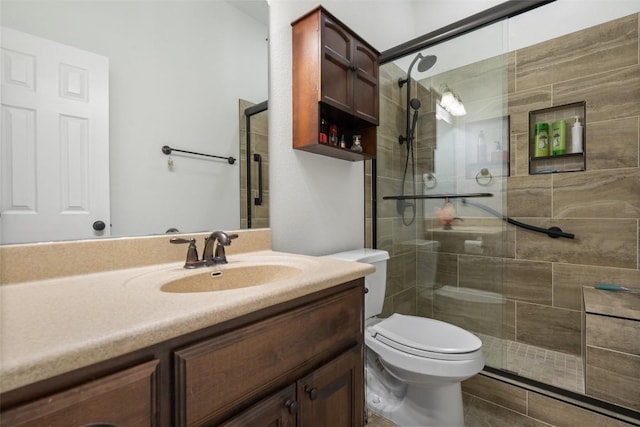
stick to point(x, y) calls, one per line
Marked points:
point(482, 148)
point(323, 132)
point(559, 137)
point(576, 136)
point(541, 140)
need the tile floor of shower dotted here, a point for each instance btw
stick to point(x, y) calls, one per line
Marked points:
point(547, 366)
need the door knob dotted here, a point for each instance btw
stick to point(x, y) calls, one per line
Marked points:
point(99, 225)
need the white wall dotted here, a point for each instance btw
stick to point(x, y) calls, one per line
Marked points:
point(317, 202)
point(177, 69)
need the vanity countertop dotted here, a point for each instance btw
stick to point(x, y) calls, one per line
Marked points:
point(612, 303)
point(54, 326)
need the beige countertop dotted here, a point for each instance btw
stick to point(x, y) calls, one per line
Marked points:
point(612, 303)
point(53, 326)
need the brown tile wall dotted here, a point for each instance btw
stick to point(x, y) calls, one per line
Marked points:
point(601, 205)
point(488, 401)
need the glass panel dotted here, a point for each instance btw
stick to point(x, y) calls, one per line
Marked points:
point(445, 130)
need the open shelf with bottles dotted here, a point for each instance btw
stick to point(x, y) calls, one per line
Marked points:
point(555, 125)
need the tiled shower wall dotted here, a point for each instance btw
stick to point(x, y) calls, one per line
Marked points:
point(601, 205)
point(543, 277)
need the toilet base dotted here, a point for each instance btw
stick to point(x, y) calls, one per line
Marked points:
point(422, 405)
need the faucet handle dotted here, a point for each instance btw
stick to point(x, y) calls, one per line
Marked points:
point(192, 252)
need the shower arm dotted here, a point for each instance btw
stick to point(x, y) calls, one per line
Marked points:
point(553, 232)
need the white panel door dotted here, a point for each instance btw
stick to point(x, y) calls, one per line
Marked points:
point(54, 156)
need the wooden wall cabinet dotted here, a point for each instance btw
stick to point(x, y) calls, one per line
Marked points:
point(300, 363)
point(335, 77)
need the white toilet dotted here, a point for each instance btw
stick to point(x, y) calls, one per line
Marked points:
point(414, 365)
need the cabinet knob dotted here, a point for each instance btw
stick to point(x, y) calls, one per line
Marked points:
point(292, 406)
point(366, 290)
point(99, 225)
point(313, 393)
point(353, 68)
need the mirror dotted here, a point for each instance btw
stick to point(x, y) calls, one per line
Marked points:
point(176, 72)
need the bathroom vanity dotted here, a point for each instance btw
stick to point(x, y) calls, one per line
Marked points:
point(288, 352)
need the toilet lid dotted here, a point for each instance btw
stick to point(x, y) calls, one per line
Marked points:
point(409, 333)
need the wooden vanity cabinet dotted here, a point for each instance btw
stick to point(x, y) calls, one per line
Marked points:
point(125, 398)
point(325, 397)
point(317, 346)
point(335, 78)
point(297, 363)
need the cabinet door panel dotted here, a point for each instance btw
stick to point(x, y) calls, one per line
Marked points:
point(337, 53)
point(219, 374)
point(278, 410)
point(333, 395)
point(366, 99)
point(132, 392)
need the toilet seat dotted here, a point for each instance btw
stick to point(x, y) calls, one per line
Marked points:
point(424, 337)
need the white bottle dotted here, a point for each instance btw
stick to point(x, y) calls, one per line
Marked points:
point(482, 148)
point(576, 136)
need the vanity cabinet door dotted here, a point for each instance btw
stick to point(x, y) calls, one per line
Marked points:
point(278, 410)
point(333, 395)
point(126, 398)
point(216, 377)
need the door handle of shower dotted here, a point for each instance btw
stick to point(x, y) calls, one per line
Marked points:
point(258, 158)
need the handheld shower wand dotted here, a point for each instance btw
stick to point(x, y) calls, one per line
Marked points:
point(424, 63)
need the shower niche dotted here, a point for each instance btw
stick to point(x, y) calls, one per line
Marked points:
point(335, 88)
point(573, 159)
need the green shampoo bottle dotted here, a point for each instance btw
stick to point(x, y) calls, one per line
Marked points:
point(559, 137)
point(541, 142)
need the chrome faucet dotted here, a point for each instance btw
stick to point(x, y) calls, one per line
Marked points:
point(214, 247)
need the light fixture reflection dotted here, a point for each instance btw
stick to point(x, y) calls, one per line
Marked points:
point(451, 102)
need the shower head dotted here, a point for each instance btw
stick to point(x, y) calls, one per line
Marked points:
point(415, 103)
point(426, 62)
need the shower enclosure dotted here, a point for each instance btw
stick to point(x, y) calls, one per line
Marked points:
point(474, 230)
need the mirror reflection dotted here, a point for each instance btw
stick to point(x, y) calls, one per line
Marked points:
point(91, 92)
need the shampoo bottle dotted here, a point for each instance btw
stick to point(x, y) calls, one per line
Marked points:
point(576, 136)
point(559, 137)
point(482, 148)
point(541, 140)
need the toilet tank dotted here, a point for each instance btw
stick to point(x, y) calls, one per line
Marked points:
point(375, 282)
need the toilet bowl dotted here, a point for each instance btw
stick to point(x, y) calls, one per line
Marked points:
point(414, 365)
